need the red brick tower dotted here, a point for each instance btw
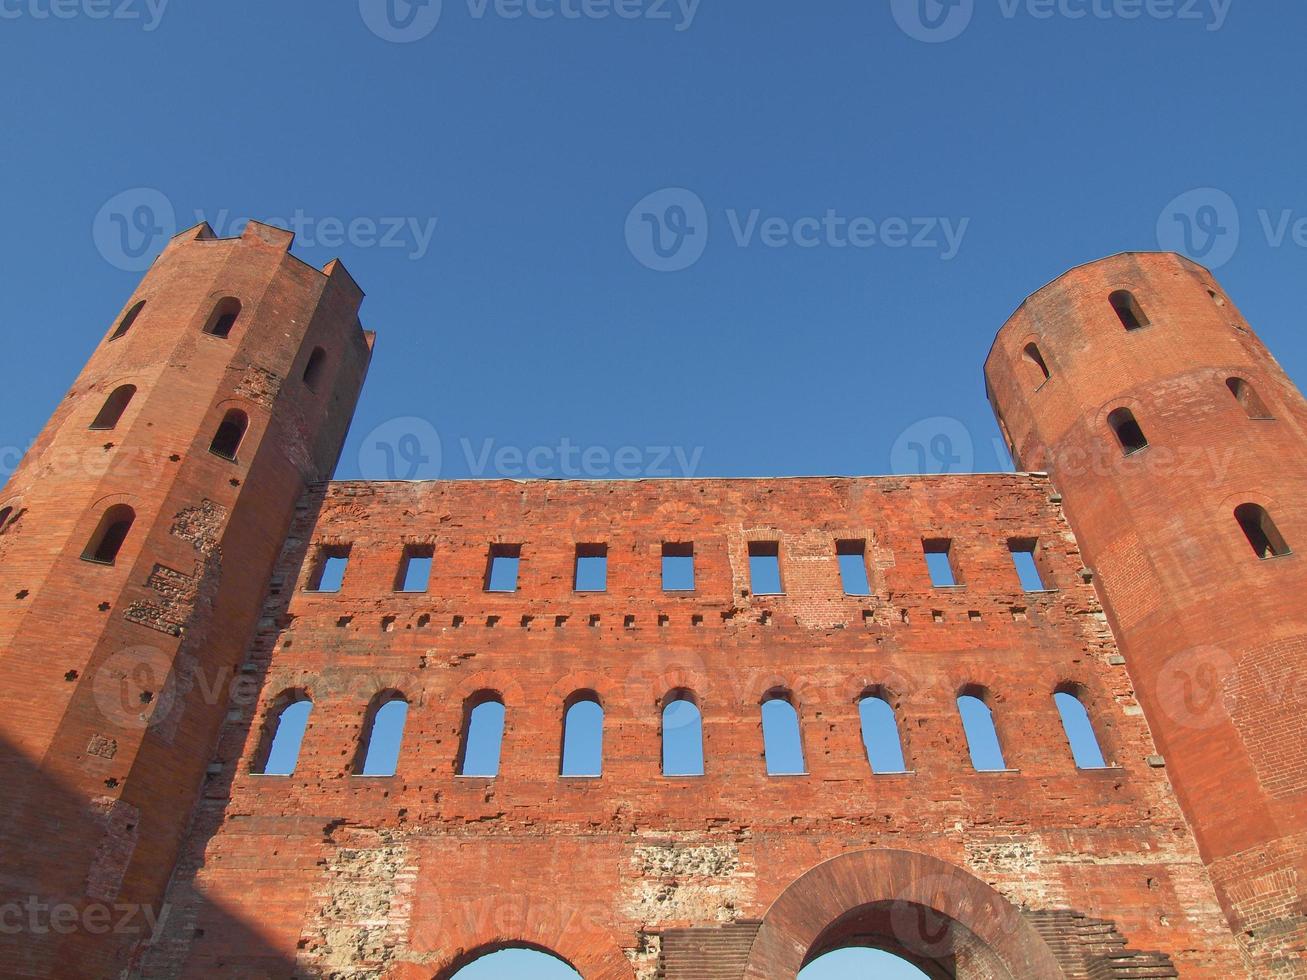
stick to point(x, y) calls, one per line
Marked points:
point(1178, 444)
point(136, 543)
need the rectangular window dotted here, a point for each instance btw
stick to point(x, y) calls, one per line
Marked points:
point(1023, 558)
point(501, 572)
point(939, 560)
point(678, 567)
point(853, 567)
point(765, 568)
point(415, 568)
point(329, 574)
point(591, 568)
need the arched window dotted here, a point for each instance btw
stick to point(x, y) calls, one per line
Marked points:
point(1035, 366)
point(682, 735)
point(230, 434)
point(383, 732)
point(583, 736)
point(110, 535)
point(982, 736)
point(1246, 395)
point(223, 318)
point(880, 734)
point(283, 734)
point(483, 735)
point(782, 741)
point(313, 370)
point(5, 514)
point(1262, 534)
point(1128, 309)
point(114, 406)
point(1078, 728)
point(128, 319)
point(1127, 430)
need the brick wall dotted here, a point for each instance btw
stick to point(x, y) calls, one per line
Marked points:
point(1215, 639)
point(346, 875)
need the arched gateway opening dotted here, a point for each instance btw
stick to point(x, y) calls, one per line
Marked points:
point(947, 923)
point(516, 961)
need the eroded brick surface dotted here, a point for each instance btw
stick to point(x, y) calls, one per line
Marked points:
point(143, 694)
point(596, 869)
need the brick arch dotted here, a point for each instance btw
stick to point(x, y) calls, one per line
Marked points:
point(883, 894)
point(521, 925)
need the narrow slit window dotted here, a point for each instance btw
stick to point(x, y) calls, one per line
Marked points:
point(1128, 431)
point(782, 741)
point(591, 572)
point(107, 542)
point(982, 736)
point(5, 514)
point(483, 736)
point(583, 736)
point(852, 557)
point(329, 573)
point(114, 406)
point(765, 568)
point(415, 568)
point(502, 567)
point(1035, 365)
point(1086, 751)
point(939, 562)
point(313, 370)
point(231, 433)
point(880, 735)
point(223, 318)
point(285, 734)
point(678, 567)
point(682, 736)
point(1261, 532)
point(384, 734)
point(1247, 397)
point(128, 319)
point(1026, 564)
point(1128, 309)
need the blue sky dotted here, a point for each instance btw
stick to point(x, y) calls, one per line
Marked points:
point(527, 321)
point(715, 238)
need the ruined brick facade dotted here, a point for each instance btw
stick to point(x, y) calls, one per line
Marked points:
point(143, 693)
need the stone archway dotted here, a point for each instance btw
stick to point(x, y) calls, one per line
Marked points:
point(931, 913)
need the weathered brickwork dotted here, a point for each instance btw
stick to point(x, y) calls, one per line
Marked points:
point(147, 684)
point(1213, 635)
point(598, 869)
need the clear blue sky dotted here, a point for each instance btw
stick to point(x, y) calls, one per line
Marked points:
point(543, 169)
point(529, 321)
